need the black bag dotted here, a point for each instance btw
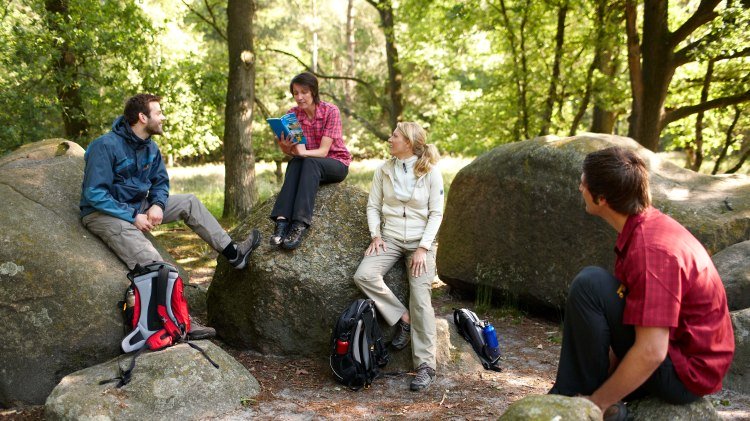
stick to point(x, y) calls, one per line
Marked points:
point(471, 328)
point(357, 350)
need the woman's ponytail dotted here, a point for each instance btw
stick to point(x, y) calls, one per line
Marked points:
point(427, 154)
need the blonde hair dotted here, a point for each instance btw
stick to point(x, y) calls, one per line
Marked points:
point(427, 154)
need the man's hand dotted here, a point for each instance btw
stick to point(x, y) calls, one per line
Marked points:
point(642, 359)
point(142, 223)
point(155, 215)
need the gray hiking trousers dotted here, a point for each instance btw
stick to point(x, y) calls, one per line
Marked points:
point(132, 246)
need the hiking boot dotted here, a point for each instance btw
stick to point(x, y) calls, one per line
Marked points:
point(425, 375)
point(403, 336)
point(244, 249)
point(198, 331)
point(294, 237)
point(279, 232)
point(616, 412)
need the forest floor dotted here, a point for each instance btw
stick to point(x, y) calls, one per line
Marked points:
point(303, 389)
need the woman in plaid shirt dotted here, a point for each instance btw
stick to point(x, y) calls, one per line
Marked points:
point(324, 159)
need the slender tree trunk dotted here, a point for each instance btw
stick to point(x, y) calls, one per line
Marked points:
point(728, 141)
point(517, 73)
point(603, 119)
point(524, 70)
point(240, 192)
point(350, 44)
point(315, 37)
point(634, 67)
point(385, 10)
point(694, 151)
point(66, 76)
point(552, 92)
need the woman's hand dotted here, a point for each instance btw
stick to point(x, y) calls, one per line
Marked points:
point(375, 245)
point(418, 262)
point(285, 144)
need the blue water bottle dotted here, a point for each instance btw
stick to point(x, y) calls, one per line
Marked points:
point(490, 336)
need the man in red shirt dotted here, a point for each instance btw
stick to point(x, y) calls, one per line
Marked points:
point(660, 325)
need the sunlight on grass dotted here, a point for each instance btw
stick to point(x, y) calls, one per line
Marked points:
point(207, 181)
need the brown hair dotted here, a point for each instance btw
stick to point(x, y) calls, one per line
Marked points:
point(139, 104)
point(620, 176)
point(427, 154)
point(308, 80)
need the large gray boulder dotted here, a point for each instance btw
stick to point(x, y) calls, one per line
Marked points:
point(738, 377)
point(515, 220)
point(286, 302)
point(176, 383)
point(59, 284)
point(552, 407)
point(733, 264)
point(655, 409)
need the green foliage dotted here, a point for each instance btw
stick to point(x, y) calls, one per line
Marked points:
point(476, 73)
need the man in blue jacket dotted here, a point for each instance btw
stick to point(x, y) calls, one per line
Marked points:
point(125, 191)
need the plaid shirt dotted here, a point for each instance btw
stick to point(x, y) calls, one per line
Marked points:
point(672, 282)
point(325, 123)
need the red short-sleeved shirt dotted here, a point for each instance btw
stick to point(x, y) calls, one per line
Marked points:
point(672, 282)
point(327, 122)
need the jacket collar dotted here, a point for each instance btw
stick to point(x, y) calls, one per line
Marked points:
point(121, 128)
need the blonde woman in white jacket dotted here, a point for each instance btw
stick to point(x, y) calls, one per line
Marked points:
point(404, 212)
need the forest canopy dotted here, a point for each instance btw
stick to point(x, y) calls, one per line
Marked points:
point(675, 75)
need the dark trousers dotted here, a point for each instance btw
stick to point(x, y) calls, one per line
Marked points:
point(593, 324)
point(296, 199)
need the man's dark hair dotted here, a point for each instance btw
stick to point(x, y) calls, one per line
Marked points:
point(620, 176)
point(139, 104)
point(308, 80)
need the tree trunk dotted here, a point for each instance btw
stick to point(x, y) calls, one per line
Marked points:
point(65, 67)
point(240, 192)
point(385, 9)
point(552, 92)
point(350, 43)
point(603, 119)
point(728, 141)
point(695, 155)
point(634, 67)
point(657, 72)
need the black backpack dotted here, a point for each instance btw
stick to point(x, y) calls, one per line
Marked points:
point(471, 328)
point(357, 350)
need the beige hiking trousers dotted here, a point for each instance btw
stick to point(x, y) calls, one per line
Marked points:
point(132, 246)
point(369, 278)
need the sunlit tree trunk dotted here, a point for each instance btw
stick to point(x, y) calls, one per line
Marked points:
point(240, 192)
point(65, 66)
point(728, 141)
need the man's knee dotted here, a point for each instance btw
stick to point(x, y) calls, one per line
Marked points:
point(591, 279)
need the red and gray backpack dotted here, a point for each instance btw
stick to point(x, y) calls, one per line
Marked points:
point(160, 313)
point(155, 312)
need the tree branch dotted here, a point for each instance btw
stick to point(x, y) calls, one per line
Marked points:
point(369, 126)
point(682, 112)
point(704, 14)
point(211, 22)
point(263, 108)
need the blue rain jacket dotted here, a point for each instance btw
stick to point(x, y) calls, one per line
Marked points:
point(122, 171)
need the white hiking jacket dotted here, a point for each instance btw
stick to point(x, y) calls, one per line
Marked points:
point(417, 219)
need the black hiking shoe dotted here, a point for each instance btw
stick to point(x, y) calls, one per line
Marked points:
point(279, 232)
point(403, 336)
point(616, 412)
point(423, 379)
point(294, 237)
point(244, 249)
point(198, 331)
